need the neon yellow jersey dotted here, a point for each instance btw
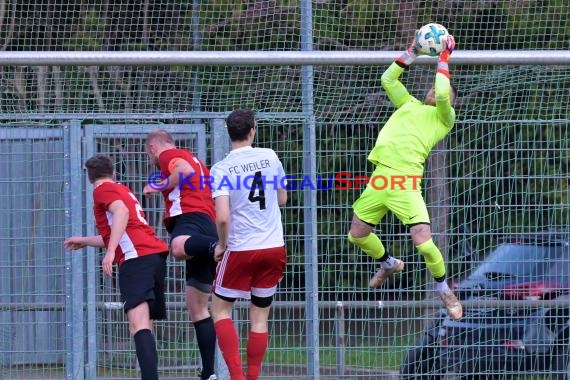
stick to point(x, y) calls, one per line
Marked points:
point(414, 128)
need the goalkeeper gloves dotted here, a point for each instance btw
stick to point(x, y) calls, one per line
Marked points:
point(449, 47)
point(408, 57)
point(442, 62)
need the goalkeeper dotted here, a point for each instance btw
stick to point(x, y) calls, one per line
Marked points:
point(401, 149)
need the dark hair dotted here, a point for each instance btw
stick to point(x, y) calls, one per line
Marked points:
point(99, 166)
point(239, 123)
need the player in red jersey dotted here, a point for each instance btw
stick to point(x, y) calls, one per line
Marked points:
point(132, 244)
point(190, 221)
point(251, 249)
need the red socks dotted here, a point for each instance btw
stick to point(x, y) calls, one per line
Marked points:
point(229, 345)
point(256, 347)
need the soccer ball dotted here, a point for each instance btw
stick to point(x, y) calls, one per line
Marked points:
point(430, 39)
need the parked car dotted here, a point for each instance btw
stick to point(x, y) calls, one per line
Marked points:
point(501, 335)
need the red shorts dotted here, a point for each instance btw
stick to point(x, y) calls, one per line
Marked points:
point(242, 274)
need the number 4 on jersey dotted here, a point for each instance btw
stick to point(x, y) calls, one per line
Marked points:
point(257, 184)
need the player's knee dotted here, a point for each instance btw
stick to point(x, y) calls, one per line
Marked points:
point(359, 229)
point(177, 248)
point(261, 302)
point(222, 310)
point(356, 238)
point(200, 245)
point(136, 326)
point(420, 233)
point(197, 307)
point(133, 330)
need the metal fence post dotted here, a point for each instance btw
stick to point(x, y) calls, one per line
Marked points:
point(220, 140)
point(220, 147)
point(339, 338)
point(74, 263)
point(310, 197)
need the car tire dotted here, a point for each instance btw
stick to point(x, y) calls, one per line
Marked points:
point(423, 360)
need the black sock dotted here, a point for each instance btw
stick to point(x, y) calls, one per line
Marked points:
point(206, 337)
point(384, 257)
point(146, 354)
point(200, 245)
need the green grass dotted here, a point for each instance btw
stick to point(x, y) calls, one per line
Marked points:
point(387, 356)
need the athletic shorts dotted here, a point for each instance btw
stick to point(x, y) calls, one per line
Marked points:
point(200, 270)
point(387, 190)
point(142, 280)
point(242, 274)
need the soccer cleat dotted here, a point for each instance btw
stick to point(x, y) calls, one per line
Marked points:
point(454, 308)
point(382, 274)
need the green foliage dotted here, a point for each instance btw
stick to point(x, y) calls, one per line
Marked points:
point(275, 25)
point(249, 25)
point(89, 36)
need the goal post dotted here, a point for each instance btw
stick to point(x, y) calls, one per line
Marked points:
point(274, 58)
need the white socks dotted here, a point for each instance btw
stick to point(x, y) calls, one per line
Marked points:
point(390, 263)
point(442, 287)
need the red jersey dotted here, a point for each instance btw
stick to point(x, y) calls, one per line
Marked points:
point(193, 193)
point(139, 238)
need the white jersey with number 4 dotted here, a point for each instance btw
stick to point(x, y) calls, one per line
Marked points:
point(251, 177)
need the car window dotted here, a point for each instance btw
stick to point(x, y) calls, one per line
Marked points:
point(517, 260)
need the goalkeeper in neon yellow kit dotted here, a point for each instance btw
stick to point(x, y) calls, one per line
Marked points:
point(401, 149)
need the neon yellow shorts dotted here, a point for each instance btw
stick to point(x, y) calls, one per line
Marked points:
point(387, 190)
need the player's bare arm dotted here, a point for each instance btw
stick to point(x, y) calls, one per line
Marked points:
point(178, 167)
point(149, 190)
point(118, 227)
point(222, 225)
point(281, 197)
point(77, 242)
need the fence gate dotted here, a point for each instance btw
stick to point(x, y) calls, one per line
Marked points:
point(110, 351)
point(33, 160)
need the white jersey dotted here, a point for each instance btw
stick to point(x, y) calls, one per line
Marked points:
point(251, 177)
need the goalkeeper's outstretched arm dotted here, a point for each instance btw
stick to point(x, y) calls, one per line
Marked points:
point(396, 91)
point(443, 96)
